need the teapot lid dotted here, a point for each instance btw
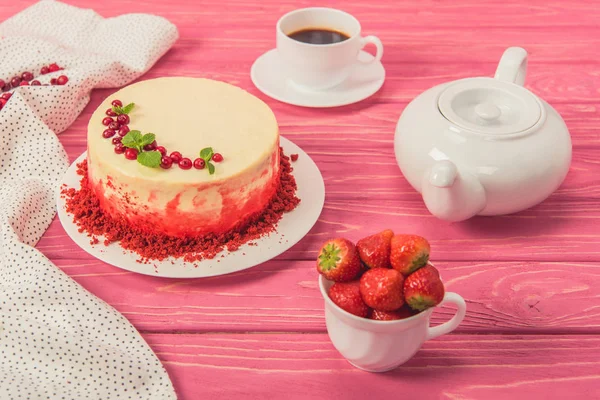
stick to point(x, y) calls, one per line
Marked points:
point(489, 106)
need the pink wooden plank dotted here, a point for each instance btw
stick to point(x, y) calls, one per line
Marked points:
point(296, 366)
point(557, 230)
point(283, 296)
point(426, 31)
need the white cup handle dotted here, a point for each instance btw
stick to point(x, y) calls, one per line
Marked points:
point(451, 325)
point(374, 40)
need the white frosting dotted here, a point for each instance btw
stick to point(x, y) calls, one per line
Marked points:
point(186, 115)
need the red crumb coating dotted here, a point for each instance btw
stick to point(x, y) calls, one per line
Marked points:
point(294, 157)
point(84, 205)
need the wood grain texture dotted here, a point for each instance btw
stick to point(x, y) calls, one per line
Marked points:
point(502, 297)
point(456, 367)
point(523, 276)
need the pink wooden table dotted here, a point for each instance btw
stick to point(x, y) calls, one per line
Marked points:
point(532, 280)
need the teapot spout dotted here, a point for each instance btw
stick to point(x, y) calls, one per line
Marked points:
point(451, 195)
point(443, 173)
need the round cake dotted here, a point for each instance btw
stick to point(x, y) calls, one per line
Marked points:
point(228, 138)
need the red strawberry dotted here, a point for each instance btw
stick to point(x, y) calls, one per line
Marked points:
point(382, 289)
point(409, 253)
point(423, 288)
point(374, 250)
point(403, 312)
point(338, 261)
point(346, 295)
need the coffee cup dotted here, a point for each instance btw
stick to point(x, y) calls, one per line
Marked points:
point(321, 64)
point(379, 346)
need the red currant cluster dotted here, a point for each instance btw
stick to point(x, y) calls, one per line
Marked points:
point(26, 79)
point(120, 128)
point(185, 163)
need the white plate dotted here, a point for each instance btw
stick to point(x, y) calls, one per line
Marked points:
point(291, 228)
point(268, 75)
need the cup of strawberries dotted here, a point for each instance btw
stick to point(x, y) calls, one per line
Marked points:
point(379, 296)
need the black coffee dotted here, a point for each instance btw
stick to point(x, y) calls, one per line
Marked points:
point(318, 36)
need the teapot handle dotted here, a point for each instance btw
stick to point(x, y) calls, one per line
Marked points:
point(512, 66)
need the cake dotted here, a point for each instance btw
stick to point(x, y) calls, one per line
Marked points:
point(189, 194)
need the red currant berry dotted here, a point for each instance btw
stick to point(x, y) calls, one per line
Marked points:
point(53, 67)
point(44, 70)
point(217, 157)
point(35, 83)
point(114, 125)
point(108, 133)
point(24, 83)
point(53, 81)
point(123, 130)
point(116, 140)
point(117, 103)
point(6, 95)
point(119, 148)
point(176, 157)
point(2, 84)
point(123, 119)
point(199, 163)
point(62, 80)
point(162, 150)
point(166, 162)
point(107, 121)
point(131, 154)
point(151, 146)
point(185, 163)
point(111, 113)
point(15, 81)
point(27, 76)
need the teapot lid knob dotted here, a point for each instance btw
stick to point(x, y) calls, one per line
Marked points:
point(487, 111)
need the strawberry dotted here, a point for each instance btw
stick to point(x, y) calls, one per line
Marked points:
point(346, 295)
point(403, 312)
point(409, 253)
point(423, 288)
point(338, 260)
point(374, 250)
point(382, 289)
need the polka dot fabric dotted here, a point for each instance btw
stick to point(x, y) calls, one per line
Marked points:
point(57, 341)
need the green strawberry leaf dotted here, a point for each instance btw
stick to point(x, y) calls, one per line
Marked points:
point(149, 158)
point(206, 154)
point(147, 139)
point(329, 257)
point(211, 167)
point(127, 109)
point(132, 139)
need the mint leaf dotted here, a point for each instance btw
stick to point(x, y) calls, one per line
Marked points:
point(132, 139)
point(147, 139)
point(211, 167)
point(206, 154)
point(127, 109)
point(118, 110)
point(149, 158)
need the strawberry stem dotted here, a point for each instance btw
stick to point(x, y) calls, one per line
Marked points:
point(329, 257)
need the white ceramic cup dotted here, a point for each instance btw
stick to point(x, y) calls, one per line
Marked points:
point(379, 346)
point(321, 66)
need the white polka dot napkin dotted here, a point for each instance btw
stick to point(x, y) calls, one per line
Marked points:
point(57, 341)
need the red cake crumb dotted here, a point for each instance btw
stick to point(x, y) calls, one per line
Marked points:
point(87, 214)
point(294, 157)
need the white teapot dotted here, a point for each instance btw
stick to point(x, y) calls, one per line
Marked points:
point(483, 146)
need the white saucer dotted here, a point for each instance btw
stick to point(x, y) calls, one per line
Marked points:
point(268, 75)
point(291, 228)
